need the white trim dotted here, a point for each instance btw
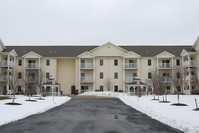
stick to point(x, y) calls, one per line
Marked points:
point(86, 52)
point(131, 52)
point(106, 44)
point(163, 53)
point(33, 53)
point(196, 42)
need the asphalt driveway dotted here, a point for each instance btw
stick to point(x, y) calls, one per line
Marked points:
point(89, 115)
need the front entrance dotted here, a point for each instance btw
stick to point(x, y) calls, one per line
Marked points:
point(73, 89)
point(84, 89)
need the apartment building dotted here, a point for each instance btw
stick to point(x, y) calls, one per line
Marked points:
point(89, 68)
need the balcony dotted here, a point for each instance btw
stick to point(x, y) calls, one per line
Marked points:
point(32, 66)
point(189, 78)
point(166, 79)
point(31, 80)
point(86, 66)
point(86, 79)
point(191, 63)
point(129, 79)
point(164, 65)
point(5, 63)
point(4, 78)
point(130, 65)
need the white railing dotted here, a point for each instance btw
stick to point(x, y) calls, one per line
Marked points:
point(186, 92)
point(166, 79)
point(164, 65)
point(129, 79)
point(86, 79)
point(4, 78)
point(86, 65)
point(130, 65)
point(190, 63)
point(32, 66)
point(31, 79)
point(5, 63)
point(189, 77)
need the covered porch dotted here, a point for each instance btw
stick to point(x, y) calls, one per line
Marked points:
point(136, 88)
point(51, 89)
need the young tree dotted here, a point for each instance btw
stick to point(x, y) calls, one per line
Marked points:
point(40, 77)
point(30, 82)
point(108, 84)
point(13, 82)
point(178, 78)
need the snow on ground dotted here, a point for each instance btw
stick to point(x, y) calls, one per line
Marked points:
point(182, 118)
point(10, 113)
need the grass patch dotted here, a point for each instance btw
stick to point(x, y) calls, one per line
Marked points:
point(4, 98)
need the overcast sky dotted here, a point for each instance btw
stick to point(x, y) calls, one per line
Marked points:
point(71, 22)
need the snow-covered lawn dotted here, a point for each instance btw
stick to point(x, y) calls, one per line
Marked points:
point(182, 118)
point(10, 113)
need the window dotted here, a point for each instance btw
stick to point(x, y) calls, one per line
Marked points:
point(19, 62)
point(116, 88)
point(47, 75)
point(149, 62)
point(177, 62)
point(19, 88)
point(101, 62)
point(101, 75)
point(19, 75)
point(149, 75)
point(115, 62)
point(178, 75)
point(47, 62)
point(178, 88)
point(101, 88)
point(116, 75)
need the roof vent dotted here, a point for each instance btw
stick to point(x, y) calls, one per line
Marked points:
point(174, 51)
point(50, 51)
point(147, 51)
point(108, 46)
point(55, 51)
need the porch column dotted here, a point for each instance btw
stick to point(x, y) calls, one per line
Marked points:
point(189, 80)
point(24, 63)
point(58, 90)
point(138, 67)
point(183, 74)
point(123, 76)
point(172, 74)
point(157, 65)
point(8, 72)
point(79, 73)
point(94, 74)
point(134, 90)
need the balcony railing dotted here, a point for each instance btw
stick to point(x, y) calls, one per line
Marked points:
point(166, 79)
point(32, 66)
point(191, 63)
point(129, 79)
point(31, 80)
point(86, 65)
point(131, 65)
point(164, 65)
point(5, 78)
point(189, 78)
point(86, 79)
point(5, 63)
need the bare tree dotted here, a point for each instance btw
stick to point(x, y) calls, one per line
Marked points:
point(108, 84)
point(177, 79)
point(195, 78)
point(40, 80)
point(30, 82)
point(13, 82)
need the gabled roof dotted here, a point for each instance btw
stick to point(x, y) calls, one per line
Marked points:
point(74, 51)
point(31, 52)
point(106, 44)
point(86, 53)
point(165, 52)
point(187, 52)
point(131, 52)
point(1, 43)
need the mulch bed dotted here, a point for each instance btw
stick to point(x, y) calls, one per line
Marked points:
point(178, 104)
point(13, 104)
point(31, 100)
point(196, 109)
point(164, 102)
point(155, 99)
point(40, 98)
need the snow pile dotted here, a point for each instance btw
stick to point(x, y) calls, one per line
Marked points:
point(180, 117)
point(10, 113)
point(105, 94)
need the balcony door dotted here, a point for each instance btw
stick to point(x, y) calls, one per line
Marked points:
point(84, 63)
point(84, 76)
point(165, 74)
point(31, 76)
point(132, 63)
point(31, 63)
point(132, 76)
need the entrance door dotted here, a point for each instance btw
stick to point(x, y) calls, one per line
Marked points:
point(73, 89)
point(116, 88)
point(84, 89)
